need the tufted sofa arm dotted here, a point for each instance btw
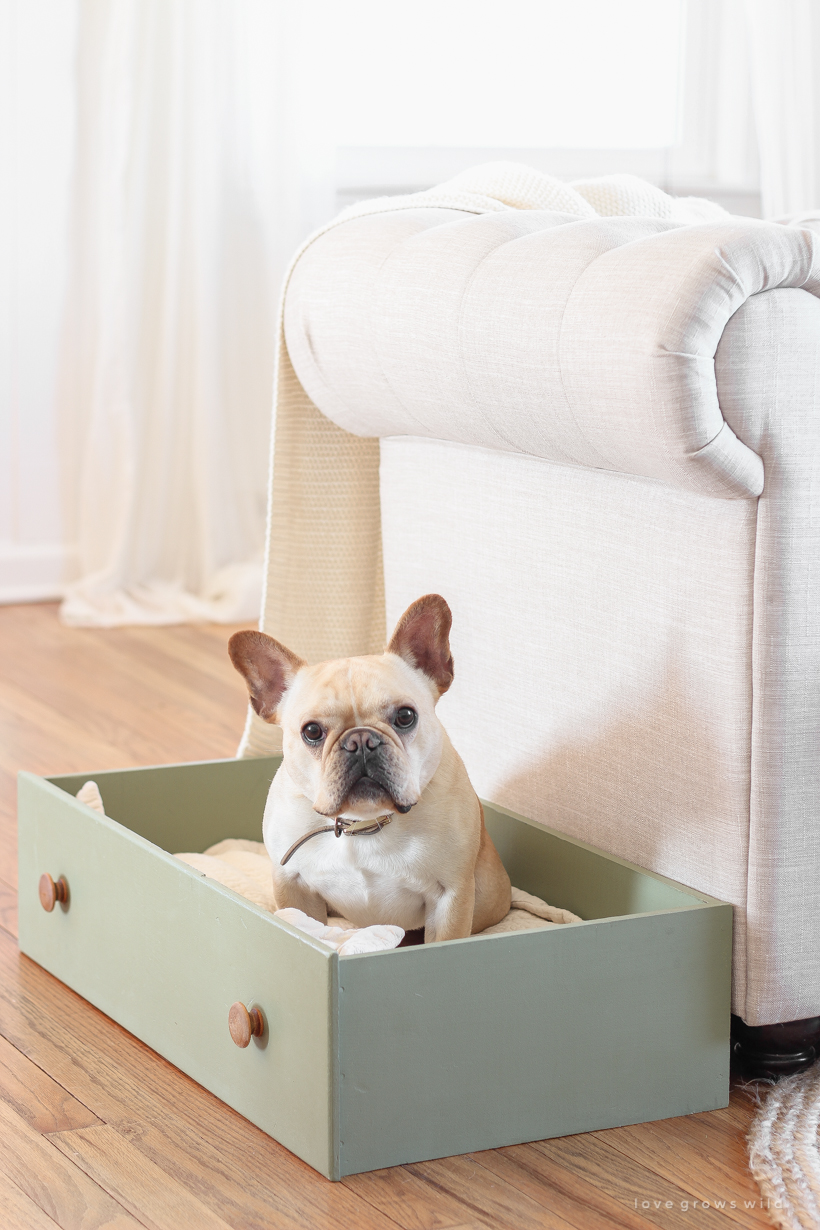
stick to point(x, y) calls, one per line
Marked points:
point(583, 342)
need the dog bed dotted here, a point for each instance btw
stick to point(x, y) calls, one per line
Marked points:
point(244, 866)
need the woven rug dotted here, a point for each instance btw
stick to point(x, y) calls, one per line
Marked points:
point(783, 1149)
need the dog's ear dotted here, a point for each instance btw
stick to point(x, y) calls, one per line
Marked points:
point(422, 638)
point(267, 667)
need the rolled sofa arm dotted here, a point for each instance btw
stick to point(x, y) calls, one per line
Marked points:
point(584, 342)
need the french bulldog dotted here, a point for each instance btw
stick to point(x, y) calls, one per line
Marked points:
point(364, 749)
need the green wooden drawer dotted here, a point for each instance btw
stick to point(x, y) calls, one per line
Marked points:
point(392, 1057)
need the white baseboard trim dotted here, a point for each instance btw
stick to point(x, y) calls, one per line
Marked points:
point(35, 572)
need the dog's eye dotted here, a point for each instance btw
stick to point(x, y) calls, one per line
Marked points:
point(312, 733)
point(405, 718)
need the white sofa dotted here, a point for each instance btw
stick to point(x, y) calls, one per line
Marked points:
point(600, 441)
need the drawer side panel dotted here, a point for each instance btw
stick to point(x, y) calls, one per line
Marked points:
point(480, 1043)
point(165, 953)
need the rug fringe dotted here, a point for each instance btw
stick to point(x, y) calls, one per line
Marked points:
point(783, 1150)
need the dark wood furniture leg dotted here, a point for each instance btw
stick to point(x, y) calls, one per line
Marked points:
point(775, 1050)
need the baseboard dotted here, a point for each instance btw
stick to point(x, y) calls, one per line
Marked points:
point(35, 572)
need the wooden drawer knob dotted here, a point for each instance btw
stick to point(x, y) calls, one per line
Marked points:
point(51, 892)
point(245, 1025)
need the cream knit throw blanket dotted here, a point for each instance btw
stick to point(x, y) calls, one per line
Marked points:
point(323, 591)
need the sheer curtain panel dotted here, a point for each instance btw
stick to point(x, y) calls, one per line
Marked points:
point(784, 49)
point(197, 174)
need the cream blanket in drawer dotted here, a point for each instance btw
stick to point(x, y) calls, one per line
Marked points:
point(245, 867)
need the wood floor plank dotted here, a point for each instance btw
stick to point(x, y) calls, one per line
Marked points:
point(700, 1153)
point(742, 1105)
point(60, 1189)
point(56, 743)
point(247, 1177)
point(202, 649)
point(660, 1201)
point(44, 1104)
point(561, 1191)
point(19, 1211)
point(8, 908)
point(136, 701)
point(492, 1201)
point(133, 1181)
point(412, 1203)
point(100, 696)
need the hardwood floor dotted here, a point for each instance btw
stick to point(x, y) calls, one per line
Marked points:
point(96, 1130)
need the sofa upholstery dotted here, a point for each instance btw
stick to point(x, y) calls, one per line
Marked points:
point(599, 441)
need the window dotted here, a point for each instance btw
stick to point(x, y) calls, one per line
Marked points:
point(655, 87)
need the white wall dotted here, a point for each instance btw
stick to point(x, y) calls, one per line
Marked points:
point(37, 40)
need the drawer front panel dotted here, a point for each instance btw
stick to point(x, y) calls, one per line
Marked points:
point(165, 953)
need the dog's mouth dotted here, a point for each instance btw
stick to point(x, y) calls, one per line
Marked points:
point(367, 794)
point(369, 790)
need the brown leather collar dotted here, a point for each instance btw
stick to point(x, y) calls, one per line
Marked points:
point(350, 828)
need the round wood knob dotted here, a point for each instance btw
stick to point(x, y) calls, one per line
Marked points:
point(245, 1024)
point(51, 892)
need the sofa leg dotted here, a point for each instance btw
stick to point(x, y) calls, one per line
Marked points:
point(775, 1050)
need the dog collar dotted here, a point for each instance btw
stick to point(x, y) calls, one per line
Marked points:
point(350, 828)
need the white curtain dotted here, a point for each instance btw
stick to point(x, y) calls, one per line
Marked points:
point(784, 54)
point(200, 167)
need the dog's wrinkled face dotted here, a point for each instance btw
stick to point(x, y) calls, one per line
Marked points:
point(361, 736)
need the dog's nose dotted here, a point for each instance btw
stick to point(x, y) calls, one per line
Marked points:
point(361, 740)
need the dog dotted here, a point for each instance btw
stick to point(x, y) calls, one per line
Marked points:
point(364, 748)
